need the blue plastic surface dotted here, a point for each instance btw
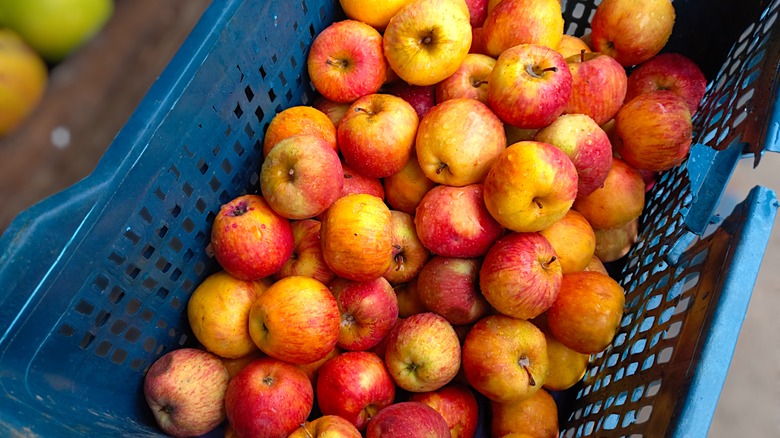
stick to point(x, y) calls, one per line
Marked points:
point(96, 278)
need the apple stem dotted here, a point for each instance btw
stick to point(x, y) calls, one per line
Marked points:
point(343, 63)
point(552, 260)
point(537, 72)
point(478, 83)
point(365, 110)
point(525, 363)
point(308, 434)
point(582, 55)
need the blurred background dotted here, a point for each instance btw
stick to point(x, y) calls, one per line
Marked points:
point(113, 53)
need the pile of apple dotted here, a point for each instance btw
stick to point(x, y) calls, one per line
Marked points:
point(435, 225)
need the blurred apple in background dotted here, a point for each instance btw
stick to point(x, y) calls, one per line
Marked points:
point(423, 352)
point(234, 365)
point(596, 265)
point(631, 31)
point(55, 28)
point(326, 426)
point(571, 45)
point(376, 13)
point(669, 71)
point(346, 61)
point(357, 237)
point(536, 416)
point(405, 189)
point(295, 320)
point(218, 314)
point(427, 40)
point(299, 120)
point(306, 259)
point(514, 22)
point(185, 389)
point(421, 97)
point(409, 302)
point(458, 140)
point(409, 253)
point(530, 186)
point(573, 241)
point(505, 358)
point(478, 10)
point(338, 393)
point(368, 311)
point(409, 419)
point(477, 41)
point(618, 202)
point(312, 369)
point(567, 367)
point(301, 177)
point(520, 275)
point(449, 287)
point(469, 81)
point(376, 135)
point(586, 144)
point(458, 406)
point(268, 385)
point(530, 86)
point(587, 313)
point(249, 239)
point(453, 221)
point(598, 86)
point(23, 80)
point(654, 131)
point(614, 243)
point(333, 110)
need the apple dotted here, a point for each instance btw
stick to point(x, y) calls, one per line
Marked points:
point(326, 426)
point(218, 314)
point(587, 313)
point(586, 145)
point(301, 177)
point(477, 12)
point(514, 22)
point(408, 419)
point(295, 320)
point(306, 259)
point(421, 97)
point(333, 110)
point(422, 353)
point(427, 40)
point(409, 253)
point(598, 88)
point(654, 131)
point(457, 404)
point(618, 202)
point(567, 367)
point(573, 240)
point(409, 302)
point(24, 78)
point(614, 243)
point(477, 41)
point(250, 241)
point(355, 386)
point(530, 86)
point(515, 134)
point(346, 61)
point(669, 71)
point(449, 287)
point(312, 369)
point(234, 365)
point(458, 140)
point(368, 311)
point(530, 186)
point(299, 120)
point(376, 13)
point(571, 45)
point(630, 31)
point(264, 386)
point(596, 265)
point(520, 276)
point(184, 389)
point(536, 416)
point(357, 237)
point(405, 189)
point(454, 222)
point(376, 135)
point(469, 81)
point(355, 182)
point(517, 350)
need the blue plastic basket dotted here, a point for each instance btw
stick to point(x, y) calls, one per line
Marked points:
point(96, 278)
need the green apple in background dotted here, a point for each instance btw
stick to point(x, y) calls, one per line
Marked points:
point(54, 28)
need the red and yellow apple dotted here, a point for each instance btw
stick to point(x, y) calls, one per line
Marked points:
point(299, 120)
point(449, 287)
point(326, 426)
point(669, 71)
point(619, 201)
point(306, 259)
point(408, 419)
point(536, 416)
point(470, 80)
point(409, 254)
point(573, 240)
point(405, 189)
point(458, 406)
point(514, 22)
point(598, 86)
point(368, 312)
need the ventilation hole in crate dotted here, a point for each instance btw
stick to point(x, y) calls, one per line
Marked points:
point(274, 58)
point(132, 271)
point(596, 387)
point(254, 178)
point(147, 252)
point(248, 131)
point(187, 225)
point(203, 166)
point(666, 314)
point(629, 418)
point(627, 319)
point(653, 388)
point(160, 349)
point(117, 327)
point(163, 265)
point(199, 268)
point(86, 340)
point(133, 306)
point(631, 368)
point(647, 324)
point(116, 295)
point(653, 302)
point(238, 111)
point(611, 422)
point(172, 332)
point(682, 306)
point(101, 282)
point(162, 231)
point(648, 362)
point(262, 72)
point(182, 340)
point(102, 349)
point(637, 393)
point(161, 324)
point(136, 364)
point(101, 318)
point(239, 150)
point(162, 293)
point(673, 331)
point(665, 355)
point(176, 211)
point(175, 244)
point(200, 238)
point(619, 340)
point(288, 95)
point(158, 192)
point(272, 94)
point(132, 334)
point(215, 184)
point(66, 330)
point(248, 93)
point(612, 359)
point(644, 414)
point(145, 215)
point(147, 315)
point(260, 114)
point(175, 303)
point(176, 274)
point(187, 189)
point(116, 259)
point(149, 344)
point(188, 255)
point(119, 357)
point(132, 237)
point(85, 308)
point(187, 286)
point(200, 205)
point(654, 340)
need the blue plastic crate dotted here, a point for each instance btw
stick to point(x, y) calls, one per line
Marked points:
point(96, 278)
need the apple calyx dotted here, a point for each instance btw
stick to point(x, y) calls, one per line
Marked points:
point(525, 362)
point(268, 380)
point(442, 167)
point(538, 72)
point(348, 320)
point(239, 209)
